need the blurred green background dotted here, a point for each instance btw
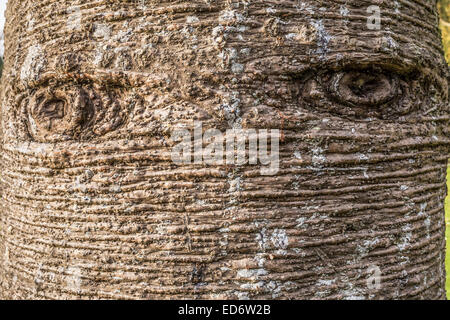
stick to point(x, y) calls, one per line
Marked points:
point(444, 8)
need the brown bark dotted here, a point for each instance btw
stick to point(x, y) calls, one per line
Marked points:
point(93, 207)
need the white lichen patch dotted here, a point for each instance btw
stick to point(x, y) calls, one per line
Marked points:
point(262, 239)
point(74, 18)
point(301, 221)
point(405, 240)
point(279, 239)
point(34, 63)
point(231, 16)
point(427, 224)
point(123, 58)
point(362, 157)
point(237, 68)
point(102, 31)
point(366, 246)
point(396, 5)
point(344, 11)
point(251, 273)
point(325, 282)
point(353, 295)
point(217, 34)
point(123, 36)
point(389, 44)
point(242, 295)
point(322, 37)
point(318, 158)
point(423, 207)
point(306, 7)
point(235, 185)
point(192, 19)
point(230, 108)
point(276, 287)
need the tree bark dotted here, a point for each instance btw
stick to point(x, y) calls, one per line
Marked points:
point(93, 206)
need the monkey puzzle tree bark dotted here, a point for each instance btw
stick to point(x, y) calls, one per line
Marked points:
point(94, 207)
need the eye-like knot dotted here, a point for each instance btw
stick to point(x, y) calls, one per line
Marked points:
point(74, 113)
point(59, 115)
point(366, 94)
point(363, 88)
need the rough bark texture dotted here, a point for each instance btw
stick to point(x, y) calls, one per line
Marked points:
point(93, 207)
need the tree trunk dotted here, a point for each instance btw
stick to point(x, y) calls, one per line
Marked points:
point(94, 207)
